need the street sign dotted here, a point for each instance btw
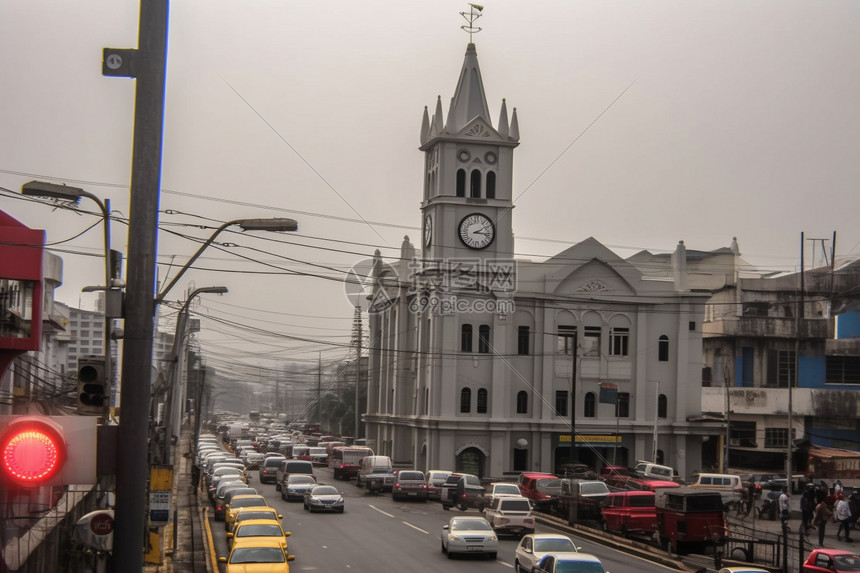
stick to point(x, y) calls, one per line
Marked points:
point(159, 507)
point(102, 524)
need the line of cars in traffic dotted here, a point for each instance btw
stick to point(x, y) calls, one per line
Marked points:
point(255, 536)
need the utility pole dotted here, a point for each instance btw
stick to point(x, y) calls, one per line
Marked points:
point(357, 327)
point(792, 381)
point(132, 463)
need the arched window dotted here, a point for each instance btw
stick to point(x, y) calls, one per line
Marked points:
point(475, 184)
point(466, 338)
point(461, 183)
point(470, 461)
point(663, 349)
point(589, 405)
point(522, 402)
point(484, 339)
point(482, 401)
point(491, 185)
point(466, 400)
point(662, 406)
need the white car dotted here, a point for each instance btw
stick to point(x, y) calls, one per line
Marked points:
point(571, 561)
point(511, 515)
point(502, 489)
point(469, 534)
point(534, 546)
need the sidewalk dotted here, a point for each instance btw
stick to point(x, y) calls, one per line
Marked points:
point(183, 550)
point(830, 540)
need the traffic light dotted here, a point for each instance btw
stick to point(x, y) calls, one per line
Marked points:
point(92, 385)
point(40, 451)
point(32, 450)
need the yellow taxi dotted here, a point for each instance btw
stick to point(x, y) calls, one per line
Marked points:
point(257, 555)
point(258, 528)
point(232, 508)
point(261, 512)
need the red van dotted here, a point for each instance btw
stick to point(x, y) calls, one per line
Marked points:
point(630, 512)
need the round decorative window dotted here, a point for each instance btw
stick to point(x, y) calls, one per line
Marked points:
point(464, 155)
point(490, 158)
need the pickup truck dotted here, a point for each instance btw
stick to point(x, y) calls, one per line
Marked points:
point(463, 491)
point(581, 499)
point(510, 515)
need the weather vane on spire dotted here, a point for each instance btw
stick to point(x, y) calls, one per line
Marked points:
point(471, 16)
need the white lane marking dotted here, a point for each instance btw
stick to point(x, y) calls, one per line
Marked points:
point(379, 510)
point(505, 564)
point(406, 523)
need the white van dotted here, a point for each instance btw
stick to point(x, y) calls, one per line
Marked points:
point(378, 467)
point(654, 471)
point(716, 481)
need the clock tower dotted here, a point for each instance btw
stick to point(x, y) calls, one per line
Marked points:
point(468, 175)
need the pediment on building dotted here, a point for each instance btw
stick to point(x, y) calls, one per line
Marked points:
point(478, 130)
point(590, 268)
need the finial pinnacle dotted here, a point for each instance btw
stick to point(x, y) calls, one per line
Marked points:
point(471, 16)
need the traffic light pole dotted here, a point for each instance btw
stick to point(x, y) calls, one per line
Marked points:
point(132, 462)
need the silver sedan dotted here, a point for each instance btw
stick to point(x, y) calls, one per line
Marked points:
point(469, 534)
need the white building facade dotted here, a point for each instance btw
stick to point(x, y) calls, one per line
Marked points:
point(484, 364)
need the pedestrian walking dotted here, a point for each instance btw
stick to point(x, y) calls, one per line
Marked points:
point(843, 516)
point(784, 509)
point(820, 493)
point(854, 506)
point(820, 517)
point(807, 506)
point(837, 487)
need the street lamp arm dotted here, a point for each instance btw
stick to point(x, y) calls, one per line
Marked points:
point(160, 297)
point(274, 224)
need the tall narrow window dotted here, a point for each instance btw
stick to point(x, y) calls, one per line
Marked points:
point(785, 368)
point(523, 341)
point(591, 341)
point(622, 406)
point(662, 406)
point(522, 402)
point(618, 341)
point(589, 405)
point(482, 401)
point(475, 184)
point(461, 183)
point(663, 348)
point(561, 403)
point(466, 338)
point(491, 185)
point(566, 340)
point(466, 400)
point(484, 339)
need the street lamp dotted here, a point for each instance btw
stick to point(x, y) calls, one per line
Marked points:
point(275, 225)
point(175, 390)
point(66, 193)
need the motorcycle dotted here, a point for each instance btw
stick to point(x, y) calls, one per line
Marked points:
point(767, 509)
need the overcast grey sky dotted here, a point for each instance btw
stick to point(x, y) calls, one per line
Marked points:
point(741, 119)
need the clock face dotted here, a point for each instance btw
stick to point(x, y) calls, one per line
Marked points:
point(428, 230)
point(477, 231)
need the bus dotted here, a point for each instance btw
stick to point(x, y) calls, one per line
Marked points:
point(345, 460)
point(254, 416)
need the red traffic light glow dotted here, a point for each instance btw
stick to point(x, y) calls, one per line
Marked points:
point(32, 451)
